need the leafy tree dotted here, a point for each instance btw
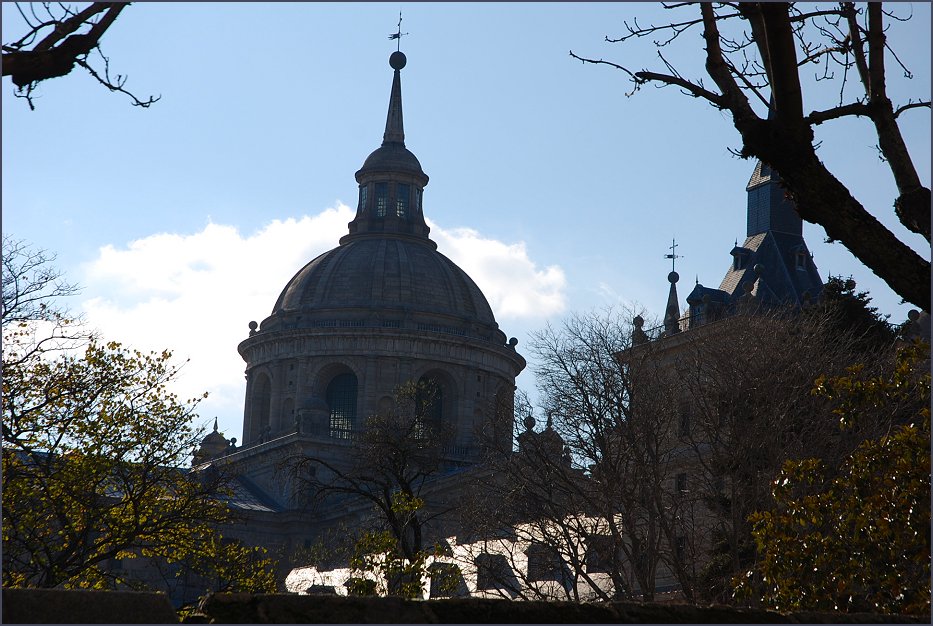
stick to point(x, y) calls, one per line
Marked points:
point(93, 449)
point(380, 564)
point(852, 313)
point(859, 541)
point(58, 37)
point(756, 52)
point(658, 451)
point(394, 455)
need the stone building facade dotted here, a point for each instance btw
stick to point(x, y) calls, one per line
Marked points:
point(382, 309)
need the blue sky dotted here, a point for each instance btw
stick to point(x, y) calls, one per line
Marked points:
point(550, 186)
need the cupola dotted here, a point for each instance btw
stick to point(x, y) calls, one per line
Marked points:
point(391, 180)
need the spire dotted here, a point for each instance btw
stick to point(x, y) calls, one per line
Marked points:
point(395, 128)
point(769, 208)
point(672, 312)
point(391, 179)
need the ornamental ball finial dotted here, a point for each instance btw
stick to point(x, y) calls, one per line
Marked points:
point(397, 60)
point(673, 277)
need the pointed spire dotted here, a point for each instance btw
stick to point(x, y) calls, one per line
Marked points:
point(395, 128)
point(672, 312)
point(215, 424)
point(391, 179)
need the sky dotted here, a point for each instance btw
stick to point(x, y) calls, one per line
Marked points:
point(553, 187)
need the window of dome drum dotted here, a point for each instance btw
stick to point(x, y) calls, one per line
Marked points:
point(430, 402)
point(364, 193)
point(402, 193)
point(341, 398)
point(382, 199)
point(417, 201)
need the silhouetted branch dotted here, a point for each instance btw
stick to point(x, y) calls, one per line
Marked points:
point(61, 47)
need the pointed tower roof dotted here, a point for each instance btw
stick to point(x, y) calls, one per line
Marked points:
point(672, 312)
point(391, 179)
point(395, 126)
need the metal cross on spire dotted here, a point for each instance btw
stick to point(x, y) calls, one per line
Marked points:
point(673, 256)
point(398, 34)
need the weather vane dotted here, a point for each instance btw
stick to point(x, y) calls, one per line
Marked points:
point(673, 256)
point(398, 34)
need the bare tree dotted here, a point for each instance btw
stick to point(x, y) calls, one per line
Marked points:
point(595, 486)
point(34, 318)
point(756, 52)
point(655, 452)
point(58, 37)
point(746, 387)
point(395, 455)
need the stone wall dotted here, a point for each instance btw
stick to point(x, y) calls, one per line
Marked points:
point(57, 606)
point(66, 606)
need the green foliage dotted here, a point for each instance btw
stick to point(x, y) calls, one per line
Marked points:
point(859, 541)
point(91, 463)
point(379, 561)
point(94, 446)
point(850, 312)
point(399, 448)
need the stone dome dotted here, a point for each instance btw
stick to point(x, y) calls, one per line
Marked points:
point(381, 310)
point(212, 446)
point(390, 277)
point(392, 157)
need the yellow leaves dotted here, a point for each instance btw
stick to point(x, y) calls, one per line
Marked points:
point(88, 469)
point(860, 542)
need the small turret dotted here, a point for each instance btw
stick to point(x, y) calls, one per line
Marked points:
point(214, 445)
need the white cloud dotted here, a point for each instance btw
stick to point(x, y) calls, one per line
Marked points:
point(513, 284)
point(196, 293)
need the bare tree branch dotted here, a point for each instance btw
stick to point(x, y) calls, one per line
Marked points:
point(855, 108)
point(911, 105)
point(785, 141)
point(57, 53)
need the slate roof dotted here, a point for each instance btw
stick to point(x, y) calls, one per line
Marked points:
point(247, 496)
point(760, 176)
point(771, 267)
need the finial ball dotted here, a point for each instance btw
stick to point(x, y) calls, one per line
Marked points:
point(397, 60)
point(673, 277)
point(529, 422)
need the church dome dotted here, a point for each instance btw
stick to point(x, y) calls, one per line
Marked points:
point(386, 272)
point(385, 275)
point(212, 446)
point(381, 310)
point(391, 157)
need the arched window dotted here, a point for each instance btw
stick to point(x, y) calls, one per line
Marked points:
point(382, 199)
point(402, 192)
point(341, 398)
point(288, 414)
point(364, 198)
point(261, 406)
point(430, 405)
